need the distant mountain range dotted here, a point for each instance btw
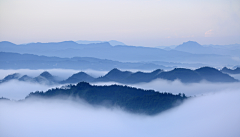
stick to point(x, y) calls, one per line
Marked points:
point(126, 77)
point(195, 48)
point(43, 78)
point(182, 74)
point(69, 49)
point(127, 98)
point(30, 61)
point(111, 42)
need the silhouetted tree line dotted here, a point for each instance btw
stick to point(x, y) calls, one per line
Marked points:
point(128, 98)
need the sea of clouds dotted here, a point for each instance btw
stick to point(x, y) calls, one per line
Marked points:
point(213, 112)
point(212, 115)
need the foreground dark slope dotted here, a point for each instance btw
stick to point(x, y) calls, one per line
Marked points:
point(130, 99)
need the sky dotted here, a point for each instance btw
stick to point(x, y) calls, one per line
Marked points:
point(134, 22)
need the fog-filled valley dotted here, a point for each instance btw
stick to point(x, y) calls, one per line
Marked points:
point(113, 68)
point(209, 115)
point(117, 92)
point(16, 90)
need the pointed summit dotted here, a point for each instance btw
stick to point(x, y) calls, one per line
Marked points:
point(189, 45)
point(45, 78)
point(10, 77)
point(26, 78)
point(46, 75)
point(117, 74)
point(79, 77)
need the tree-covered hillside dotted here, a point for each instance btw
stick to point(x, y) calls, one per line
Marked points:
point(128, 98)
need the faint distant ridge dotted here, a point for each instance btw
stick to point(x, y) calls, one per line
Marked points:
point(111, 42)
point(231, 71)
point(130, 99)
point(29, 61)
point(124, 53)
point(190, 45)
point(195, 48)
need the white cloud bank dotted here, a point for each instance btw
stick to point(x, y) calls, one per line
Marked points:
point(19, 90)
point(176, 86)
point(213, 115)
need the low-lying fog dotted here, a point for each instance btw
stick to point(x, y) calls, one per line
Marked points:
point(213, 115)
point(19, 90)
point(193, 89)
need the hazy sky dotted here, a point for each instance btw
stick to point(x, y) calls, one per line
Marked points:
point(134, 22)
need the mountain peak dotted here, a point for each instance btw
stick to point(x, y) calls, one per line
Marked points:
point(46, 75)
point(115, 70)
point(12, 76)
point(68, 42)
point(189, 45)
point(117, 74)
point(6, 43)
point(191, 42)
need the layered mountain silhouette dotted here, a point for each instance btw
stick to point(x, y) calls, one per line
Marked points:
point(111, 42)
point(126, 77)
point(43, 78)
point(130, 99)
point(70, 49)
point(196, 48)
point(182, 74)
point(10, 77)
point(30, 61)
point(231, 71)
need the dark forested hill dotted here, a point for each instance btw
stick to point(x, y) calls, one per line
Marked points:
point(128, 98)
